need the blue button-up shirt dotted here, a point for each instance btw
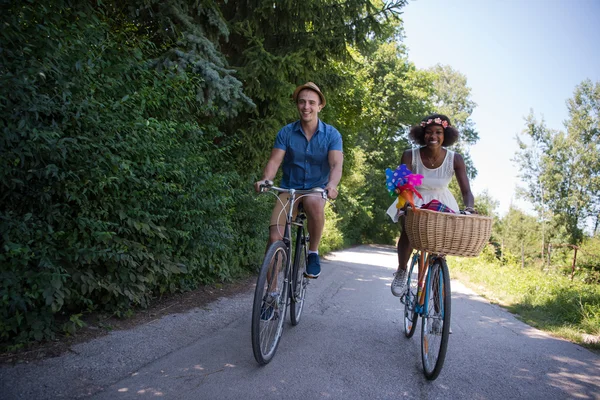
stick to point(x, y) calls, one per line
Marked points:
point(306, 163)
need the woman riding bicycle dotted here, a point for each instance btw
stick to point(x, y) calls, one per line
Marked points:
point(437, 165)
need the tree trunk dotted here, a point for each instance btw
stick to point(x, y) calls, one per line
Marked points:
point(543, 241)
point(522, 254)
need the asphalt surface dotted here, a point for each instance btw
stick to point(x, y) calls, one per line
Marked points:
point(349, 345)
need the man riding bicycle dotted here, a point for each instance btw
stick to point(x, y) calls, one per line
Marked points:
point(311, 153)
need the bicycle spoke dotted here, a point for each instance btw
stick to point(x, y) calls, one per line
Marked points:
point(410, 301)
point(270, 302)
point(299, 281)
point(436, 319)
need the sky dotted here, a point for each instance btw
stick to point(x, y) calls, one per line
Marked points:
point(518, 56)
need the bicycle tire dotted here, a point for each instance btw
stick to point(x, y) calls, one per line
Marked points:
point(299, 281)
point(410, 301)
point(268, 311)
point(435, 326)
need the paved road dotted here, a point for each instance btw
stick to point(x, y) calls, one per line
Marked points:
point(349, 345)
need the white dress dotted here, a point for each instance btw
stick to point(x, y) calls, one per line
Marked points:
point(435, 183)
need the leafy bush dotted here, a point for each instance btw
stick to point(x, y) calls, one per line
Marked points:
point(333, 238)
point(112, 189)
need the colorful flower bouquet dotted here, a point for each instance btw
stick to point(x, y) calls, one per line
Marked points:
point(401, 183)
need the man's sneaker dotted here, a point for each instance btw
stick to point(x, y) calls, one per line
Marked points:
point(313, 269)
point(267, 310)
point(399, 283)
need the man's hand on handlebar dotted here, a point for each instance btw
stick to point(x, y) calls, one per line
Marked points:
point(332, 192)
point(260, 185)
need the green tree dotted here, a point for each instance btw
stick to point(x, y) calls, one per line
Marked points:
point(584, 126)
point(519, 236)
point(532, 164)
point(452, 97)
point(561, 170)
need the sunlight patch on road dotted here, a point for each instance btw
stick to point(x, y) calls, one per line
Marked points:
point(364, 258)
point(570, 361)
point(151, 391)
point(459, 289)
point(537, 334)
point(572, 383)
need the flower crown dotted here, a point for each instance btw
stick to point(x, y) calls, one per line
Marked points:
point(437, 121)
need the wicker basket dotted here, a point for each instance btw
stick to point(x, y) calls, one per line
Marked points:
point(447, 233)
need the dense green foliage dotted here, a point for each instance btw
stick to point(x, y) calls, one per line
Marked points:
point(112, 189)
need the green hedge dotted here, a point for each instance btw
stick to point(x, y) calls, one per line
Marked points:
point(112, 191)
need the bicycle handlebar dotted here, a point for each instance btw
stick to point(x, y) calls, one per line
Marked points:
point(460, 212)
point(268, 185)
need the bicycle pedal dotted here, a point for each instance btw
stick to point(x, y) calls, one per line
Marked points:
point(403, 297)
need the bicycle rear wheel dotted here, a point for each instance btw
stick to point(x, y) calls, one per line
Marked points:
point(299, 281)
point(435, 327)
point(270, 303)
point(410, 301)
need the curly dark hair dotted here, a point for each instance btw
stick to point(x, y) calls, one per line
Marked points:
point(417, 132)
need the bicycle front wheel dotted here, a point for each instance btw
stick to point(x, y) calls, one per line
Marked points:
point(410, 301)
point(270, 303)
point(299, 281)
point(435, 327)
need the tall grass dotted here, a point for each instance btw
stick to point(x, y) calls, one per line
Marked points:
point(545, 299)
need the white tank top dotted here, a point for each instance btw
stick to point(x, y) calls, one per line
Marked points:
point(434, 185)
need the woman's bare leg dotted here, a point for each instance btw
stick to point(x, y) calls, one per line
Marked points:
point(404, 249)
point(398, 285)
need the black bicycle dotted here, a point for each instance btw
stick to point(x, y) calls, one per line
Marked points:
point(280, 282)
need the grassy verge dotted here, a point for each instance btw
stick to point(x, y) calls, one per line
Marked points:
point(547, 300)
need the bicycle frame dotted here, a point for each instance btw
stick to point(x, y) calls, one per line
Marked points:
point(425, 260)
point(294, 196)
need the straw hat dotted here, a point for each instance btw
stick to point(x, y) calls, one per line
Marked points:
point(311, 86)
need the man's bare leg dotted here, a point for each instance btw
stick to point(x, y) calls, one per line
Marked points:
point(315, 213)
